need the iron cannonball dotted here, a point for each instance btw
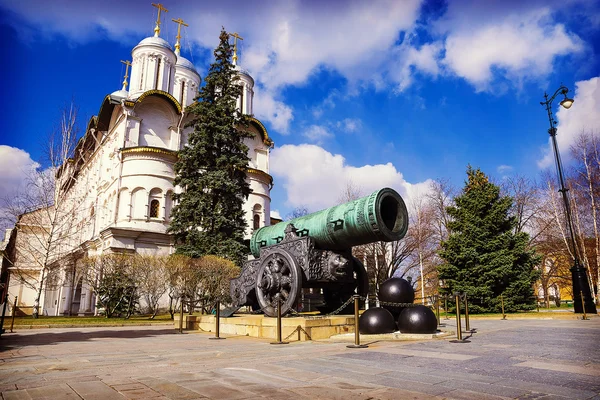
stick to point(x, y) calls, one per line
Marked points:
point(396, 290)
point(417, 319)
point(376, 320)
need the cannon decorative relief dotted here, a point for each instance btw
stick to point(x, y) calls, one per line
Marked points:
point(315, 251)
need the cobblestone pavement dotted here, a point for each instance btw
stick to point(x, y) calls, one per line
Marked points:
point(522, 359)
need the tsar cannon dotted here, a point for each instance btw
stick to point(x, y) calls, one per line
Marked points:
point(314, 251)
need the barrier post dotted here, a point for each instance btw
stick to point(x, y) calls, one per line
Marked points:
point(467, 327)
point(446, 306)
point(279, 341)
point(459, 338)
point(502, 304)
point(217, 322)
point(583, 305)
point(437, 309)
point(181, 315)
point(356, 344)
point(458, 326)
point(12, 323)
point(3, 314)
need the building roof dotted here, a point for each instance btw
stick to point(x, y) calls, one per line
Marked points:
point(154, 41)
point(183, 62)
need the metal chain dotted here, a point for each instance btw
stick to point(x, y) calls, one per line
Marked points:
point(337, 311)
point(403, 305)
point(298, 329)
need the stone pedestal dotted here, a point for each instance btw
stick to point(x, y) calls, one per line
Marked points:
point(265, 327)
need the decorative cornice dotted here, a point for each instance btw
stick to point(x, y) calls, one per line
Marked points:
point(260, 173)
point(162, 93)
point(266, 139)
point(148, 149)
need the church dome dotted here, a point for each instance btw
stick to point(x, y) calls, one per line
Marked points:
point(155, 41)
point(185, 63)
point(119, 95)
point(241, 71)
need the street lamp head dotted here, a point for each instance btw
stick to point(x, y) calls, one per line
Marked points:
point(567, 102)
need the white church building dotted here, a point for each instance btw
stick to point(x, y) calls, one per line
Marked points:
point(123, 172)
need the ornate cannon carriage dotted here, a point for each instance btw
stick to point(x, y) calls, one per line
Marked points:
point(314, 251)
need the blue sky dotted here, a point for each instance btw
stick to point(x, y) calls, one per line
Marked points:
point(374, 93)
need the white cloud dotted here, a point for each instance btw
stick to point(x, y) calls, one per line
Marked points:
point(408, 59)
point(315, 178)
point(327, 104)
point(503, 169)
point(349, 125)
point(317, 133)
point(584, 115)
point(267, 108)
point(514, 43)
point(305, 36)
point(16, 166)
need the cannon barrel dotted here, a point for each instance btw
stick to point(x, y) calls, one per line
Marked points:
point(381, 216)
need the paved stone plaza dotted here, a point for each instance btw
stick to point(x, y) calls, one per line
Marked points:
point(523, 359)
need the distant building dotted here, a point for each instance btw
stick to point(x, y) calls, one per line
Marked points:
point(122, 173)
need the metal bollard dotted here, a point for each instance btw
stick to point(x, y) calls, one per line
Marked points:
point(12, 323)
point(459, 338)
point(458, 326)
point(446, 306)
point(279, 341)
point(181, 316)
point(437, 309)
point(583, 305)
point(467, 327)
point(356, 344)
point(217, 322)
point(3, 314)
point(502, 304)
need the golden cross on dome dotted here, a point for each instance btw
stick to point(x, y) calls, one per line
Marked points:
point(179, 22)
point(127, 65)
point(160, 8)
point(235, 37)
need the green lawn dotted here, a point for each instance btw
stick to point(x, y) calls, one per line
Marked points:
point(134, 320)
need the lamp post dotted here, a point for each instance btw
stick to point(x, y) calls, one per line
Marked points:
point(578, 272)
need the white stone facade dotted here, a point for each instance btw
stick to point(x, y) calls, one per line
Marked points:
point(122, 172)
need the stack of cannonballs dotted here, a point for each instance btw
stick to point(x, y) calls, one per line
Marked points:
point(388, 319)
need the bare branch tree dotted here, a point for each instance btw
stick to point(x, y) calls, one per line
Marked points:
point(585, 152)
point(46, 212)
point(151, 279)
point(299, 211)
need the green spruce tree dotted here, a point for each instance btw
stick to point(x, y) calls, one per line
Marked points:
point(208, 218)
point(483, 255)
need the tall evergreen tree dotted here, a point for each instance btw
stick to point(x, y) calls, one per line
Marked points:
point(208, 217)
point(483, 255)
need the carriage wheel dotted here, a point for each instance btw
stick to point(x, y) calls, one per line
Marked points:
point(278, 278)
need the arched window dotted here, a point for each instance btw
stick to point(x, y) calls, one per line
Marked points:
point(154, 203)
point(256, 221)
point(154, 206)
point(256, 211)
